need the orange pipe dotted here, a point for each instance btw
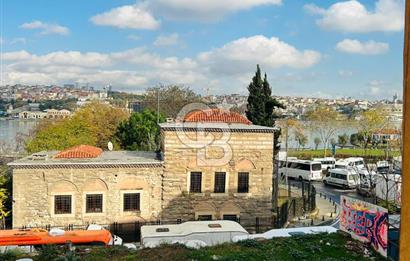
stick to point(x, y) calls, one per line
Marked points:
point(33, 237)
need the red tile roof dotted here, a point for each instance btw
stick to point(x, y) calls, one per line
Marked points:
point(79, 152)
point(216, 115)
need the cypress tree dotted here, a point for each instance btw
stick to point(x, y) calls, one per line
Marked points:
point(256, 106)
point(261, 104)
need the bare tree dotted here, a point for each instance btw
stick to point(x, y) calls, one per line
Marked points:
point(324, 121)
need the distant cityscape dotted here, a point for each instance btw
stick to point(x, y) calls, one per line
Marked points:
point(296, 107)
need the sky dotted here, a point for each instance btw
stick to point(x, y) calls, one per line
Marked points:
point(317, 48)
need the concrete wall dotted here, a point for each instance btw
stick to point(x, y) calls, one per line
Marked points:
point(34, 190)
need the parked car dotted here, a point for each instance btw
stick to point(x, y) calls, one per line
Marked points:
point(366, 190)
point(344, 178)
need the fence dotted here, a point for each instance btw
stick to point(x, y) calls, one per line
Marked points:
point(131, 231)
point(295, 206)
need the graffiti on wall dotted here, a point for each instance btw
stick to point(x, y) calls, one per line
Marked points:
point(365, 222)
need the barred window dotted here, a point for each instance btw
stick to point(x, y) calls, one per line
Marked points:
point(220, 179)
point(94, 203)
point(230, 217)
point(196, 182)
point(131, 201)
point(204, 217)
point(243, 182)
point(62, 204)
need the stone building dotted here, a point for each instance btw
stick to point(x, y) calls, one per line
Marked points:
point(213, 165)
point(85, 185)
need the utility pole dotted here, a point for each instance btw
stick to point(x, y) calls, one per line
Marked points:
point(275, 170)
point(405, 210)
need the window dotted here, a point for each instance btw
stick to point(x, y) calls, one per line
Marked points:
point(204, 217)
point(230, 217)
point(304, 166)
point(62, 204)
point(220, 180)
point(243, 182)
point(94, 203)
point(131, 201)
point(316, 167)
point(162, 229)
point(196, 182)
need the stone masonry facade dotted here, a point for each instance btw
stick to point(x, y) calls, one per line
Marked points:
point(34, 189)
point(252, 152)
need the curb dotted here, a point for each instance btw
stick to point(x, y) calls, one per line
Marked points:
point(331, 222)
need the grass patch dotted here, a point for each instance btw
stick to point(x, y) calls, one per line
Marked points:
point(341, 153)
point(336, 246)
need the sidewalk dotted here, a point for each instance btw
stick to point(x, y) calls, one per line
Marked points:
point(326, 213)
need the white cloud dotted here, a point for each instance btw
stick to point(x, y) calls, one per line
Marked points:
point(229, 66)
point(166, 40)
point(365, 48)
point(142, 14)
point(200, 10)
point(19, 40)
point(352, 16)
point(2, 41)
point(345, 73)
point(46, 28)
point(134, 68)
point(127, 16)
point(243, 54)
point(133, 37)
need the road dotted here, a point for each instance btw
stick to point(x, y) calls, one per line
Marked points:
point(334, 193)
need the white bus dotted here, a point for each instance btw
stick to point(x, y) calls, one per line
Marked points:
point(327, 163)
point(301, 169)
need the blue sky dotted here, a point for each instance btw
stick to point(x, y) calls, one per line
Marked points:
point(308, 48)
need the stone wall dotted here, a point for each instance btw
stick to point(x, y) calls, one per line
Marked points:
point(250, 152)
point(34, 190)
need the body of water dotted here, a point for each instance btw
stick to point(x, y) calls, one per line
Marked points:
point(10, 129)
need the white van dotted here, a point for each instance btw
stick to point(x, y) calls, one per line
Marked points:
point(327, 163)
point(354, 162)
point(344, 178)
point(301, 169)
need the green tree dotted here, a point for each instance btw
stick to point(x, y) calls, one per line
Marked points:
point(371, 121)
point(261, 104)
point(354, 139)
point(343, 140)
point(171, 99)
point(5, 192)
point(95, 124)
point(140, 131)
point(317, 142)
